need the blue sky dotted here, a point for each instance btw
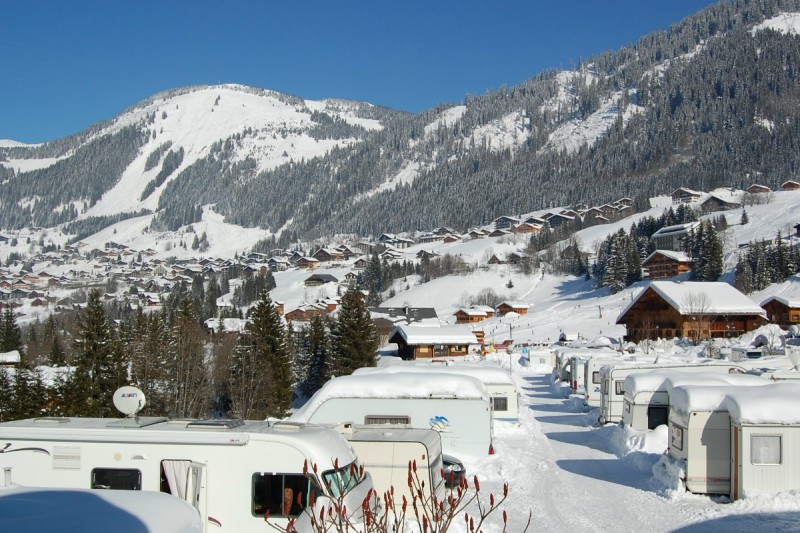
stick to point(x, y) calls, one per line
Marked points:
point(68, 65)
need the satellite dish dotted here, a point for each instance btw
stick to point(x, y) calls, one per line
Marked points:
point(129, 400)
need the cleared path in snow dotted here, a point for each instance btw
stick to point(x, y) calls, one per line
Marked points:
point(566, 473)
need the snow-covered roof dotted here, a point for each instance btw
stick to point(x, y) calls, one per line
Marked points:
point(708, 297)
point(665, 379)
point(403, 385)
point(778, 403)
point(677, 229)
point(671, 254)
point(10, 358)
point(788, 302)
point(454, 334)
point(489, 374)
point(690, 398)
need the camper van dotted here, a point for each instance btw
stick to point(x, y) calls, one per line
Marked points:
point(646, 398)
point(456, 406)
point(700, 433)
point(386, 452)
point(498, 382)
point(591, 378)
point(612, 384)
point(231, 471)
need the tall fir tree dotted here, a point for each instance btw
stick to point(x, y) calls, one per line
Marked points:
point(744, 276)
point(316, 350)
point(354, 337)
point(89, 390)
point(268, 343)
point(187, 379)
point(10, 333)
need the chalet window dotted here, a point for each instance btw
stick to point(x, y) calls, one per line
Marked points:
point(500, 403)
point(765, 449)
point(117, 478)
point(386, 419)
point(269, 491)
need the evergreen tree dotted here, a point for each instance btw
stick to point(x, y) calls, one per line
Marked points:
point(90, 389)
point(10, 333)
point(29, 394)
point(6, 395)
point(316, 350)
point(187, 379)
point(744, 276)
point(265, 347)
point(745, 219)
point(56, 355)
point(354, 338)
point(373, 279)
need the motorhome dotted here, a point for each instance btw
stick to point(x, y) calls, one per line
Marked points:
point(231, 471)
point(387, 452)
point(612, 384)
point(646, 397)
point(498, 382)
point(456, 406)
point(700, 433)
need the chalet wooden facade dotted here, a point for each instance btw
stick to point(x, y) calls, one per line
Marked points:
point(515, 307)
point(666, 264)
point(757, 188)
point(420, 342)
point(694, 310)
point(790, 185)
point(782, 311)
point(682, 195)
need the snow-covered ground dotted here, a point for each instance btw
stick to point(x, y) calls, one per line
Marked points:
point(574, 475)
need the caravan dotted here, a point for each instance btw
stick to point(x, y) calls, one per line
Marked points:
point(499, 384)
point(456, 406)
point(231, 471)
point(646, 398)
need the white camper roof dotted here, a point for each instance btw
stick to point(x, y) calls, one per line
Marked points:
point(777, 403)
point(401, 385)
point(663, 380)
point(310, 440)
point(33, 509)
point(489, 374)
point(690, 398)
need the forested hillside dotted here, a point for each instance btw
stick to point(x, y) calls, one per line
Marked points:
point(709, 102)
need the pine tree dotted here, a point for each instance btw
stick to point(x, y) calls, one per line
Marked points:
point(6, 395)
point(745, 219)
point(10, 333)
point(90, 389)
point(316, 350)
point(187, 380)
point(267, 346)
point(354, 338)
point(744, 276)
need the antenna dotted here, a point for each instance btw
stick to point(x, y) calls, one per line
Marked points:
point(129, 400)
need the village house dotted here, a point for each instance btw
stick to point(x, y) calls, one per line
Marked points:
point(682, 195)
point(315, 280)
point(691, 309)
point(790, 185)
point(782, 311)
point(666, 264)
point(520, 308)
point(324, 255)
point(307, 262)
point(757, 188)
point(473, 313)
point(505, 222)
point(421, 342)
point(715, 202)
point(386, 318)
point(672, 237)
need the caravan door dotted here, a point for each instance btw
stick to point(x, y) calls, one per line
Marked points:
point(195, 488)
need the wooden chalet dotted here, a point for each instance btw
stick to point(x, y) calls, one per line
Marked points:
point(757, 188)
point(307, 262)
point(526, 228)
point(386, 318)
point(682, 195)
point(716, 203)
point(782, 311)
point(512, 307)
point(324, 255)
point(315, 280)
point(694, 310)
point(305, 312)
point(421, 342)
point(505, 222)
point(473, 313)
point(790, 185)
point(666, 264)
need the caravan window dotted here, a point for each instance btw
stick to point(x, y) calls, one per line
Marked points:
point(386, 419)
point(342, 480)
point(117, 478)
point(269, 491)
point(765, 449)
point(619, 387)
point(596, 376)
point(500, 403)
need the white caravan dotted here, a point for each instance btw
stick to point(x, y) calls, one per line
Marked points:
point(612, 384)
point(700, 433)
point(646, 398)
point(765, 439)
point(591, 378)
point(499, 384)
point(231, 471)
point(577, 366)
point(387, 452)
point(456, 406)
